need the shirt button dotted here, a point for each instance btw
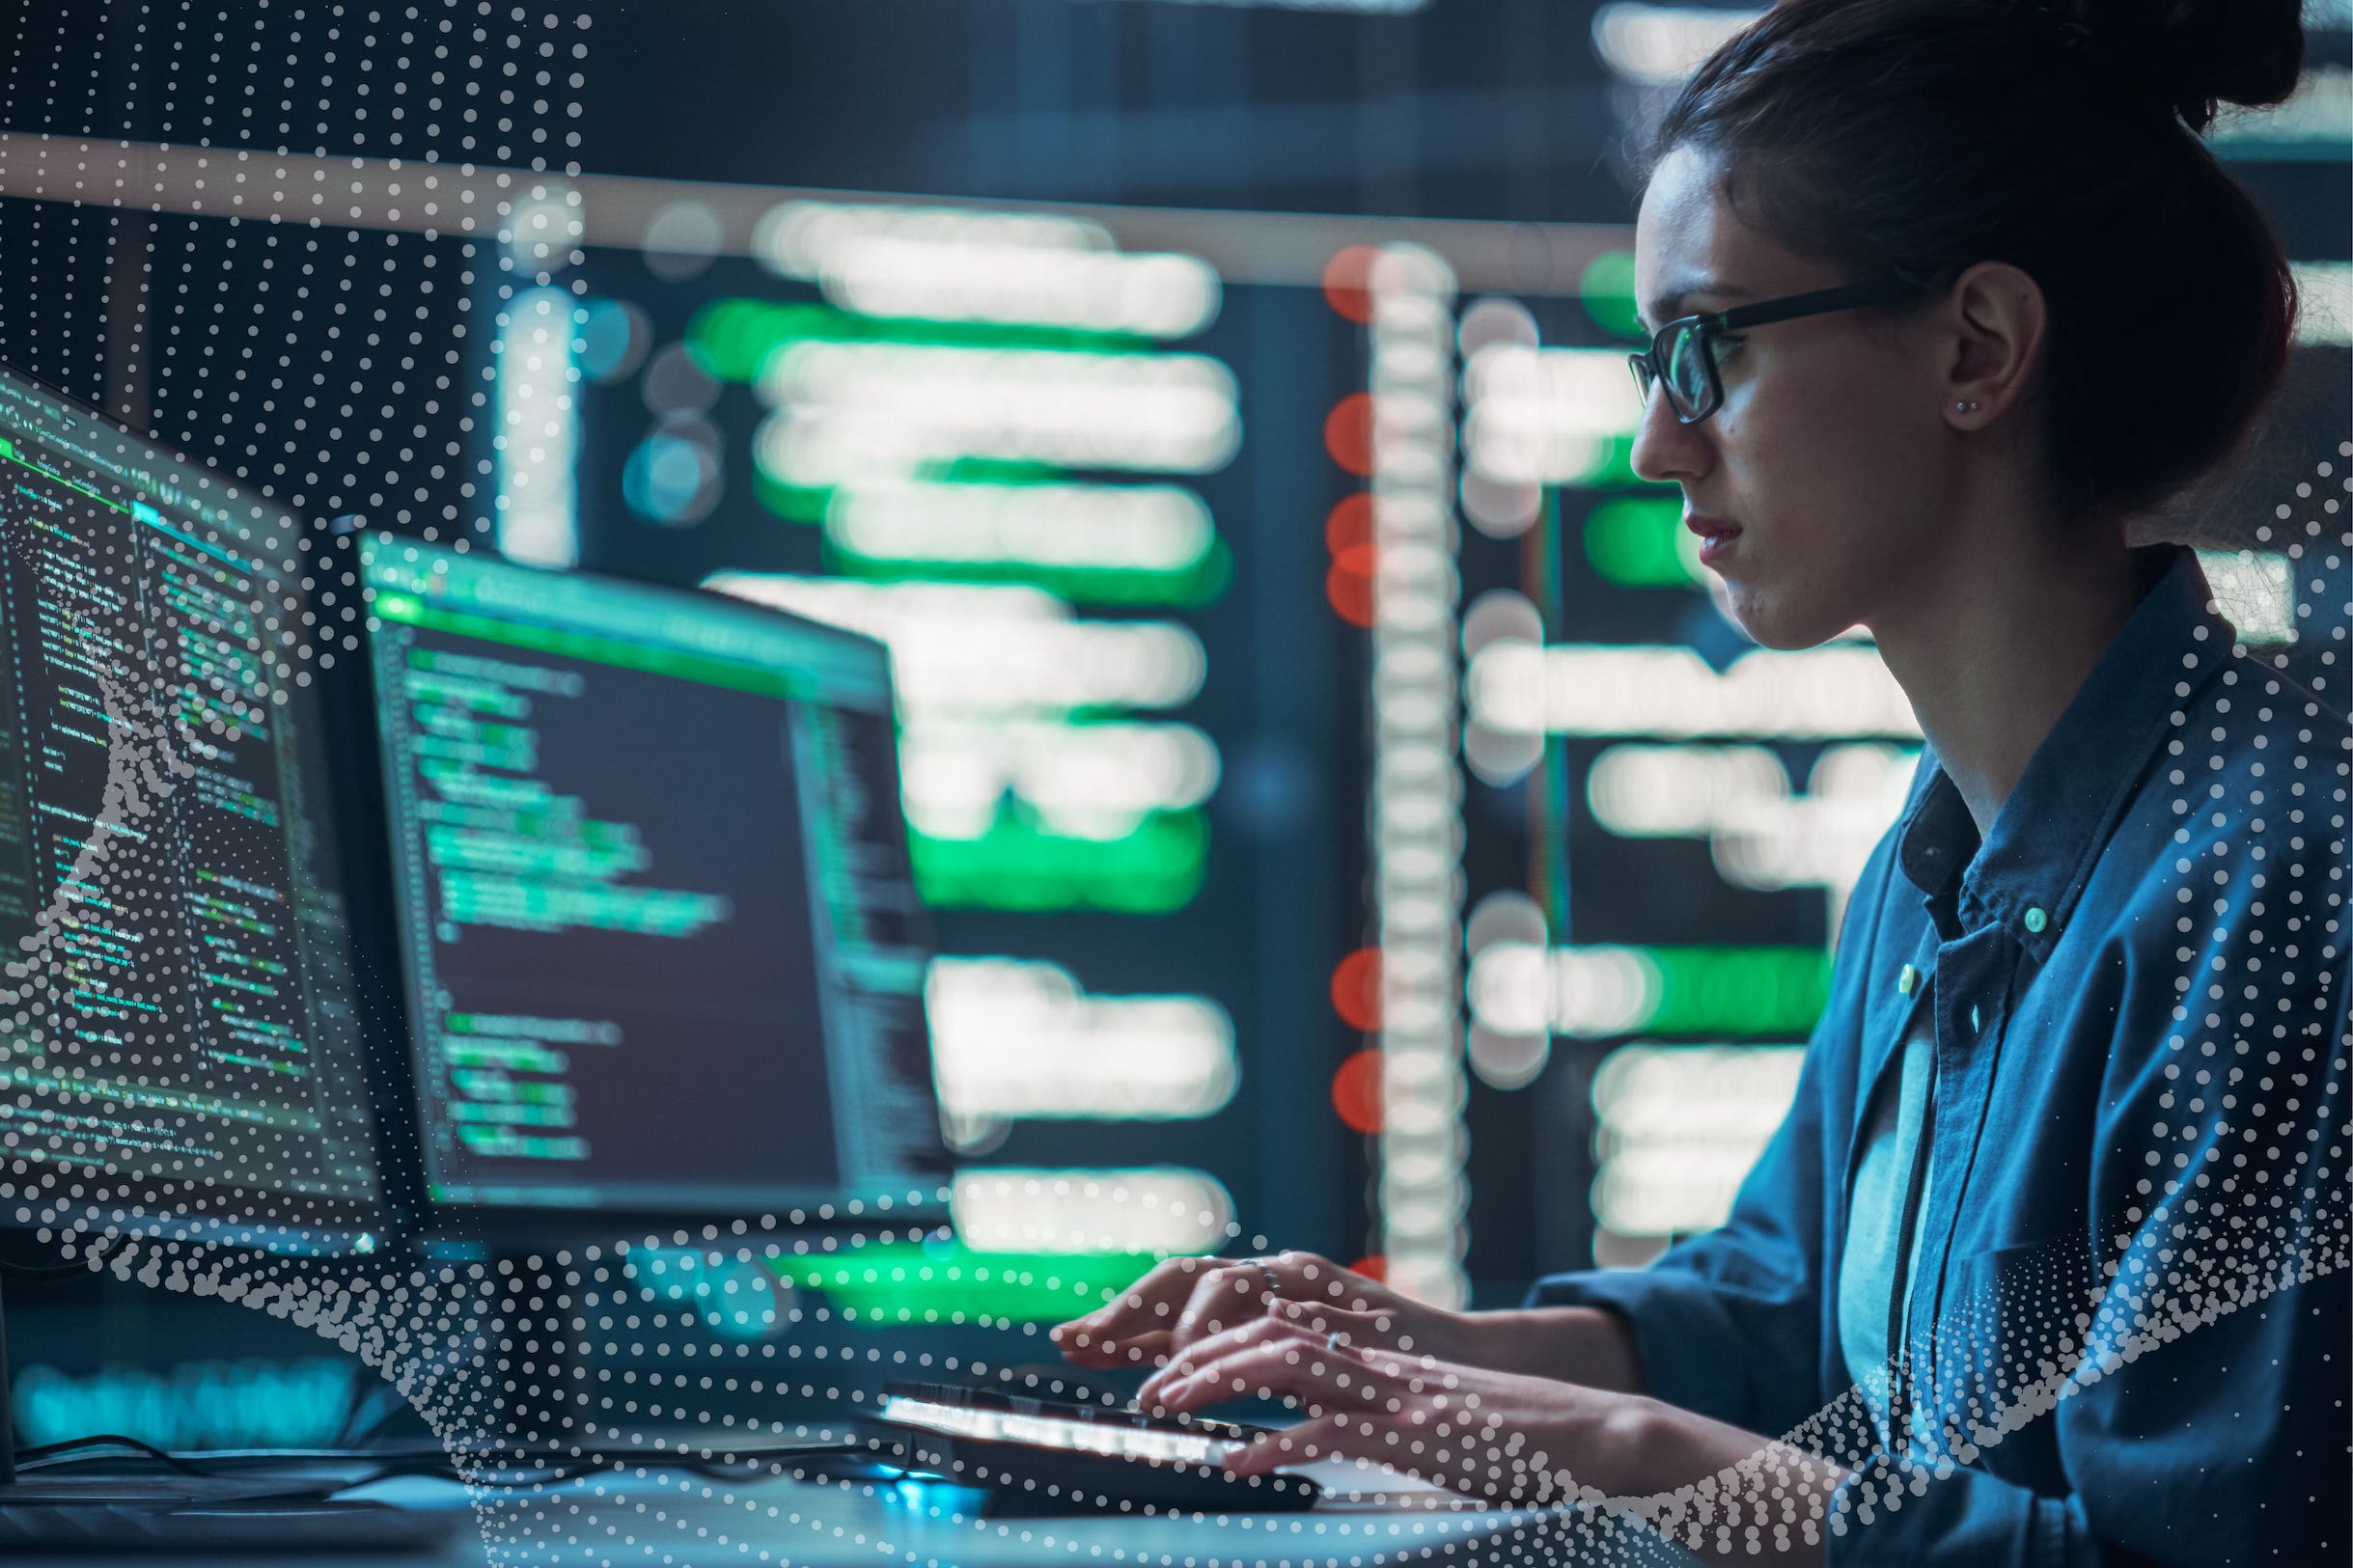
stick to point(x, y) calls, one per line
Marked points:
point(1905, 979)
point(2036, 919)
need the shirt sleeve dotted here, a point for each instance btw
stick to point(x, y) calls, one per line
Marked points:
point(2198, 1382)
point(1729, 1323)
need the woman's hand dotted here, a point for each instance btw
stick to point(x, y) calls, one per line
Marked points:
point(1507, 1438)
point(1185, 1300)
point(1370, 1373)
point(1499, 1436)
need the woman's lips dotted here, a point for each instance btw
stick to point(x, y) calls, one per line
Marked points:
point(1716, 536)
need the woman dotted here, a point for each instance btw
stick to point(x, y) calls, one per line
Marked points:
point(2045, 1264)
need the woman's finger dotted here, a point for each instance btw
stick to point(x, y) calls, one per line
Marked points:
point(1159, 1346)
point(1351, 1326)
point(1308, 1276)
point(1414, 1424)
point(1148, 1348)
point(1213, 1299)
point(1223, 1298)
point(1147, 1322)
point(1316, 1376)
point(1147, 1308)
point(1202, 1352)
point(1310, 1321)
point(1163, 1287)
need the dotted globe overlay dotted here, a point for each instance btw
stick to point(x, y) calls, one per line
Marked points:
point(2243, 1193)
point(2243, 1196)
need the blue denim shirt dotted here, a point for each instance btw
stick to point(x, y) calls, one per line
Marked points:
point(2129, 1336)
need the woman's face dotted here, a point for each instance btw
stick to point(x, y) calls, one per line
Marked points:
point(1825, 451)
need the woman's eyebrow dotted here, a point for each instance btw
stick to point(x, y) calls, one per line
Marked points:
point(1666, 306)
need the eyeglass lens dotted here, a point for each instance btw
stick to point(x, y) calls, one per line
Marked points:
point(1688, 386)
point(1687, 368)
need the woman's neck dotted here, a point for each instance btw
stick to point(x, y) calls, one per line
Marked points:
point(1998, 644)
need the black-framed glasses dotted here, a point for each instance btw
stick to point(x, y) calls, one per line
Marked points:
point(1683, 353)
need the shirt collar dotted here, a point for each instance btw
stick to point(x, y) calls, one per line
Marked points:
point(2037, 857)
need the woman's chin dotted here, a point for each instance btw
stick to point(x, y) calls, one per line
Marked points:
point(1776, 623)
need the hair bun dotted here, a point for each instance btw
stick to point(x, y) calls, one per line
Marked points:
point(2195, 53)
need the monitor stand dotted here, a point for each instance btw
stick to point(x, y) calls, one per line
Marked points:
point(546, 1402)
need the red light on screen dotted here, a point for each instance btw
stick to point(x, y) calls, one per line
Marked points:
point(1356, 989)
point(1347, 533)
point(1348, 432)
point(1347, 281)
point(1350, 523)
point(1356, 1091)
point(1348, 586)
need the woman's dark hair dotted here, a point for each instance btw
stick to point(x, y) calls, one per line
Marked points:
point(1920, 137)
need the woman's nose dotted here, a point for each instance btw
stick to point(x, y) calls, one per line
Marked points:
point(1664, 448)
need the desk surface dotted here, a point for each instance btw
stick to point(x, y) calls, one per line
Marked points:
point(864, 1524)
point(677, 1519)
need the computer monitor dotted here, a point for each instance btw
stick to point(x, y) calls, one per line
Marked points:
point(178, 1020)
point(181, 1034)
point(663, 947)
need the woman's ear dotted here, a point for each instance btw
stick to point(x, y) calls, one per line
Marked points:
point(1992, 329)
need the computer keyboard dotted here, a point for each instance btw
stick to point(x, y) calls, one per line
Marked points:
point(1048, 1456)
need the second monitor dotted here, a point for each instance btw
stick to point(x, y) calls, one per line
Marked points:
point(663, 947)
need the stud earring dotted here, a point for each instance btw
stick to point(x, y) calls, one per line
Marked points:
point(1966, 408)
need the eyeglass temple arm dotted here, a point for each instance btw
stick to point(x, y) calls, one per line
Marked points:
point(1881, 291)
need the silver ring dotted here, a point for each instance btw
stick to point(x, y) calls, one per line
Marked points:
point(1331, 1343)
point(1274, 1280)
